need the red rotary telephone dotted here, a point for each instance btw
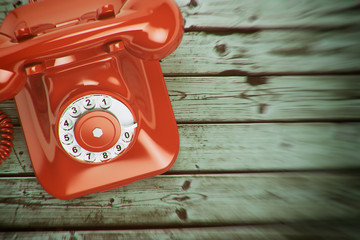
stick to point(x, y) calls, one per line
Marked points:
point(90, 91)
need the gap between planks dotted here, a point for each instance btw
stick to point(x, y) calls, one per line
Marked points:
point(340, 171)
point(300, 230)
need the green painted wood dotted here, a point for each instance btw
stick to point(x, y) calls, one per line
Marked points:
point(246, 147)
point(269, 14)
point(186, 200)
point(5, 7)
point(274, 51)
point(300, 231)
point(256, 99)
point(287, 98)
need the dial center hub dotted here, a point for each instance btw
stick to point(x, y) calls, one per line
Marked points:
point(97, 131)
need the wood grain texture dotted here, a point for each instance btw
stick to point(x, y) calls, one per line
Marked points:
point(256, 99)
point(246, 147)
point(163, 201)
point(231, 99)
point(5, 7)
point(302, 231)
point(274, 51)
point(269, 14)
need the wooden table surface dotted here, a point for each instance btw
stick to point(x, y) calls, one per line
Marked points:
point(266, 96)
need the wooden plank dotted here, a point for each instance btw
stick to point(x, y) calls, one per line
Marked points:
point(294, 98)
point(273, 51)
point(268, 14)
point(5, 7)
point(185, 200)
point(276, 98)
point(246, 147)
point(302, 231)
point(264, 147)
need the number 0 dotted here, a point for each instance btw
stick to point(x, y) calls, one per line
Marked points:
point(127, 134)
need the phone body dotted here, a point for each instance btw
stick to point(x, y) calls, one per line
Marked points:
point(90, 92)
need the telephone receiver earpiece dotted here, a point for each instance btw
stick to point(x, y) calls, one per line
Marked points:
point(155, 38)
point(150, 30)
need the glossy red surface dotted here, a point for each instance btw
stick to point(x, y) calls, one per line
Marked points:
point(105, 121)
point(74, 54)
point(149, 29)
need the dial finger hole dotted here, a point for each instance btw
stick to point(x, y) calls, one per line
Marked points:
point(67, 138)
point(105, 102)
point(76, 150)
point(89, 156)
point(74, 111)
point(67, 124)
point(89, 103)
point(104, 156)
point(126, 136)
point(118, 148)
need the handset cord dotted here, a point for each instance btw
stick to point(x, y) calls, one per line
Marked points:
point(6, 137)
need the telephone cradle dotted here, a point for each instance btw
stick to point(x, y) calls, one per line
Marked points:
point(89, 90)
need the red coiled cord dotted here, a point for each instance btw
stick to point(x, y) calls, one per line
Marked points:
point(6, 137)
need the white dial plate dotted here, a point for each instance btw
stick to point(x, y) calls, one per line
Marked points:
point(89, 103)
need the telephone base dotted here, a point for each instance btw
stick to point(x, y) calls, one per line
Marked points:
point(155, 143)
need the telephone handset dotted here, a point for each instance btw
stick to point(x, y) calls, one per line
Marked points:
point(89, 90)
